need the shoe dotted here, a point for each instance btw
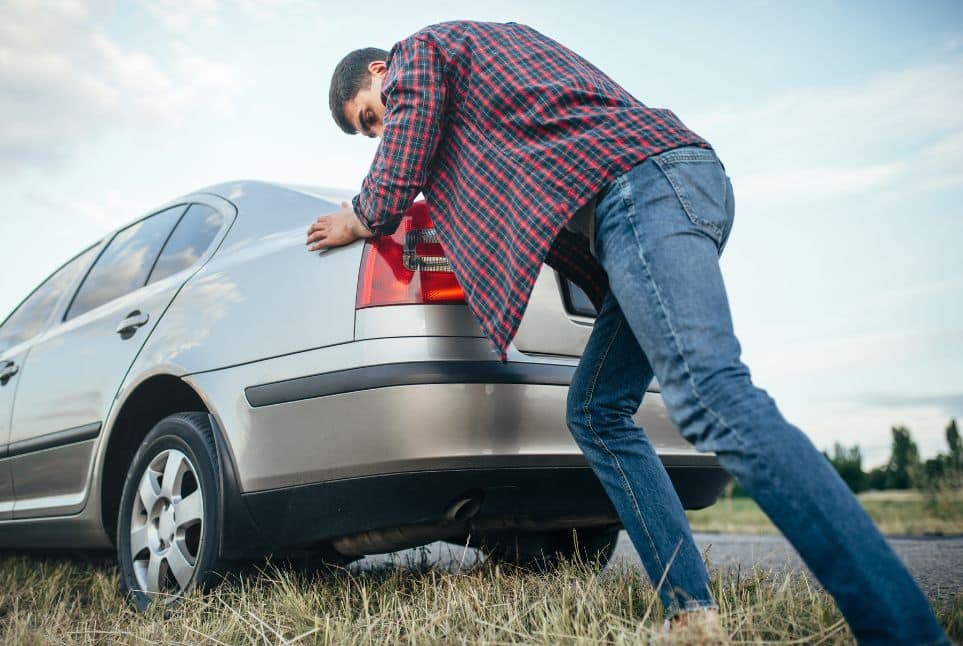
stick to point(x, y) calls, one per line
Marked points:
point(692, 627)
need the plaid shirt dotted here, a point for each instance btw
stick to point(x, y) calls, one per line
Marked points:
point(507, 133)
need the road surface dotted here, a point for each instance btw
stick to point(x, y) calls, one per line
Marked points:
point(937, 563)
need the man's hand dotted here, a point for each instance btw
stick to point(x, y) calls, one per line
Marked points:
point(336, 229)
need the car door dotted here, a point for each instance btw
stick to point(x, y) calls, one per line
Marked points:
point(9, 368)
point(24, 324)
point(74, 370)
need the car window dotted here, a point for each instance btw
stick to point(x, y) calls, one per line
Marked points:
point(124, 264)
point(27, 321)
point(191, 238)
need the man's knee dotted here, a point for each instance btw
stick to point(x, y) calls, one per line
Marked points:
point(597, 415)
point(717, 408)
point(575, 408)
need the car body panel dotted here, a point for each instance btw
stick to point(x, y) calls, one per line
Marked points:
point(546, 327)
point(397, 428)
point(52, 482)
point(18, 355)
point(70, 380)
point(7, 392)
point(415, 320)
point(6, 490)
point(262, 295)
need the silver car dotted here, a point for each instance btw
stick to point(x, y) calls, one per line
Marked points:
point(197, 388)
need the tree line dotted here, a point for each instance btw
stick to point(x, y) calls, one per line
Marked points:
point(904, 469)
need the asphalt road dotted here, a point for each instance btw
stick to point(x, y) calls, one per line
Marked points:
point(937, 563)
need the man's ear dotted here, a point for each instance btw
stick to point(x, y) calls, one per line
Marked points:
point(378, 68)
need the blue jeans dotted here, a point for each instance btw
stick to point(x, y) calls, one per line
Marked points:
point(659, 231)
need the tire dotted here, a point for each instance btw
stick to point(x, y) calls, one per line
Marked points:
point(546, 551)
point(171, 515)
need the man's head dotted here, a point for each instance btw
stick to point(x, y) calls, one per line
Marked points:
point(355, 95)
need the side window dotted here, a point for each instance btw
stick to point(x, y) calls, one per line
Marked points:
point(124, 264)
point(190, 240)
point(27, 321)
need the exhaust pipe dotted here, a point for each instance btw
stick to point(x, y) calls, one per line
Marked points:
point(454, 520)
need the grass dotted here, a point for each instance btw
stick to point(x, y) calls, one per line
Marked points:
point(52, 599)
point(69, 601)
point(895, 512)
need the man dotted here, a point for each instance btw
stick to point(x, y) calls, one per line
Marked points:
point(508, 134)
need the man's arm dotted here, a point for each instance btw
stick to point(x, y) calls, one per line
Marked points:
point(415, 95)
point(415, 91)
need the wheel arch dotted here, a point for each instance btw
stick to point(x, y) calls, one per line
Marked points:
point(149, 402)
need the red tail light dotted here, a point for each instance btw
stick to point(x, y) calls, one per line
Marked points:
point(408, 267)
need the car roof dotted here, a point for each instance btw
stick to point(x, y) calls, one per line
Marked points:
point(232, 190)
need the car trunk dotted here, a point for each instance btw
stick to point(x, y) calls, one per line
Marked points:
point(558, 319)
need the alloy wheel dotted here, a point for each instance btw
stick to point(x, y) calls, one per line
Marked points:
point(166, 527)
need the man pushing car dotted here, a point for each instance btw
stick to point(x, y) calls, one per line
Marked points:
point(527, 153)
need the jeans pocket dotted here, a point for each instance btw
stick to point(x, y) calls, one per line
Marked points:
point(700, 183)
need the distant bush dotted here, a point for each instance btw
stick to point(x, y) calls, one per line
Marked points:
point(848, 462)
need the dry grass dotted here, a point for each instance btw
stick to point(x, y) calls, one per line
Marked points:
point(897, 513)
point(67, 601)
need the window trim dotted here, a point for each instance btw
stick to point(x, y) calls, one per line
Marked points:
point(219, 203)
point(69, 290)
point(58, 314)
point(215, 241)
point(113, 235)
point(163, 246)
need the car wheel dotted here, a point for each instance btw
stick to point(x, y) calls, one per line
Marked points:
point(170, 517)
point(545, 551)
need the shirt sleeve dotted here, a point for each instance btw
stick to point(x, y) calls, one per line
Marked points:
point(414, 94)
point(570, 256)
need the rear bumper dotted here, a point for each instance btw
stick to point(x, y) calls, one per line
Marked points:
point(398, 405)
point(510, 498)
point(385, 433)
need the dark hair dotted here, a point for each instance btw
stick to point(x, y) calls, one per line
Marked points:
point(350, 76)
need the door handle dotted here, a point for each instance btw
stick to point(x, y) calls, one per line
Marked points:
point(7, 372)
point(129, 325)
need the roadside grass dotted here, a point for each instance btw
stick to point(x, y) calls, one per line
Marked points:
point(895, 512)
point(45, 599)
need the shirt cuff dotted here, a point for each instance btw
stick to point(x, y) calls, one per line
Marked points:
point(356, 205)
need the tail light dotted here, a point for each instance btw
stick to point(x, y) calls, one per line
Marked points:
point(408, 267)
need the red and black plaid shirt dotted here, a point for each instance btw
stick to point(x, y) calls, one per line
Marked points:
point(507, 133)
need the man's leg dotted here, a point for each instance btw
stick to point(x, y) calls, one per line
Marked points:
point(659, 231)
point(606, 391)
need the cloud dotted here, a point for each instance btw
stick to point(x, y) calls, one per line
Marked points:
point(950, 404)
point(106, 213)
point(64, 81)
point(181, 15)
point(898, 127)
point(809, 352)
point(186, 15)
point(811, 184)
point(856, 422)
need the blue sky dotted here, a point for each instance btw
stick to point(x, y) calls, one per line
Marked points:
point(839, 123)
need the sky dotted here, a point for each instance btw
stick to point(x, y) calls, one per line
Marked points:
point(840, 124)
